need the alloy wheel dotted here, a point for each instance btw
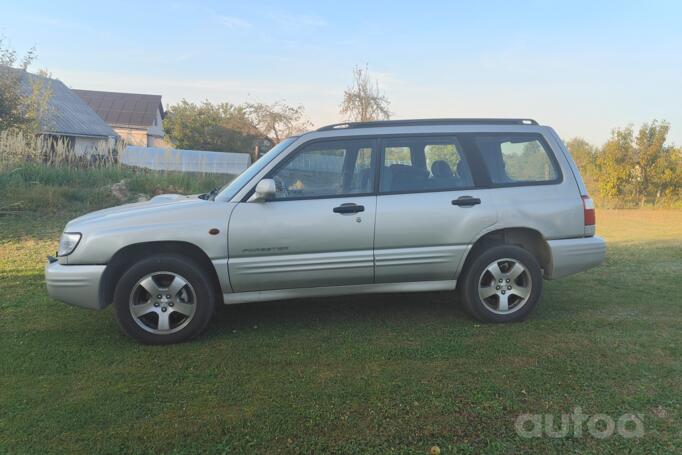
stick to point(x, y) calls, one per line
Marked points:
point(505, 286)
point(162, 303)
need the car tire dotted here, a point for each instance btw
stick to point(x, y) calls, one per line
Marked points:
point(490, 300)
point(164, 299)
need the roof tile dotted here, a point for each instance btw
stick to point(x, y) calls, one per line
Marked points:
point(123, 109)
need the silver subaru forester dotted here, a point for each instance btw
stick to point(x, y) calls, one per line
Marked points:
point(488, 207)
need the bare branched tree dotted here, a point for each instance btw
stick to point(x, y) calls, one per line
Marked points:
point(363, 101)
point(277, 121)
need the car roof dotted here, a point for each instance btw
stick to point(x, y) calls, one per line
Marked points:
point(428, 122)
point(424, 126)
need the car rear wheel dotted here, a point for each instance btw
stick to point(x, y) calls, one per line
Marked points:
point(164, 299)
point(503, 284)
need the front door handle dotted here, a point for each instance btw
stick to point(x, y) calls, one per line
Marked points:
point(349, 208)
point(466, 201)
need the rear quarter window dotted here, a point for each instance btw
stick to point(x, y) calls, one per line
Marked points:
point(517, 158)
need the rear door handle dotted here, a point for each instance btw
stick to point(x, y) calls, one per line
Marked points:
point(349, 208)
point(466, 201)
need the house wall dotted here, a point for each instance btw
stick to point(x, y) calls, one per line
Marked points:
point(90, 145)
point(157, 128)
point(161, 142)
point(133, 136)
point(153, 136)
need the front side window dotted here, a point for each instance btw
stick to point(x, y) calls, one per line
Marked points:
point(228, 191)
point(423, 164)
point(362, 179)
point(516, 158)
point(327, 169)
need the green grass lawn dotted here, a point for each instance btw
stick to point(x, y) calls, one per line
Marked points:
point(371, 374)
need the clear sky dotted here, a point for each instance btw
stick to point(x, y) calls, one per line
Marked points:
point(582, 67)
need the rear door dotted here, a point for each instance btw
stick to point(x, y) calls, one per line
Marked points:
point(319, 228)
point(530, 188)
point(429, 209)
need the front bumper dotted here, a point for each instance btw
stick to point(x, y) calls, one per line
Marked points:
point(75, 284)
point(571, 256)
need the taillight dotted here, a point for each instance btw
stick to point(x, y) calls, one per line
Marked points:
point(588, 210)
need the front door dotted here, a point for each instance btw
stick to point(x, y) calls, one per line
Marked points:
point(318, 230)
point(428, 209)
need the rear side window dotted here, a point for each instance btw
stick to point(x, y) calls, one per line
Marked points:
point(422, 164)
point(517, 158)
point(397, 155)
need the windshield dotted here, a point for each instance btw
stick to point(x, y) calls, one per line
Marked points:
point(228, 191)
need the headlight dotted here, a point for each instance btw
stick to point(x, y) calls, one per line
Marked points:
point(68, 243)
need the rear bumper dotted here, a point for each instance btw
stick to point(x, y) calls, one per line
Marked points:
point(75, 284)
point(571, 256)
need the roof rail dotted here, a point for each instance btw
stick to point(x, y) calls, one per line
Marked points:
point(433, 121)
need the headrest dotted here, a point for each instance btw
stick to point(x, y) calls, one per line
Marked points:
point(441, 169)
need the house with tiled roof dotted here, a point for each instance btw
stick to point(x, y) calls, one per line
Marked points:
point(137, 118)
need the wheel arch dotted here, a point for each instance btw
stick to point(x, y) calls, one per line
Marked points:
point(527, 238)
point(130, 254)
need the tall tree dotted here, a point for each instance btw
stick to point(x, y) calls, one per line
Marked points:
point(583, 153)
point(36, 102)
point(13, 112)
point(667, 182)
point(277, 121)
point(585, 156)
point(363, 101)
point(650, 154)
point(222, 127)
point(640, 168)
point(615, 164)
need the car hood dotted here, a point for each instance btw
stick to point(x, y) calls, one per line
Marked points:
point(147, 210)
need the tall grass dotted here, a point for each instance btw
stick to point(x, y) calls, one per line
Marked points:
point(43, 176)
point(18, 147)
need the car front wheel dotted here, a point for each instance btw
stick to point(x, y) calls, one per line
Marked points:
point(503, 284)
point(164, 299)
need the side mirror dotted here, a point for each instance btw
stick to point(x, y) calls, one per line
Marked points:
point(265, 189)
